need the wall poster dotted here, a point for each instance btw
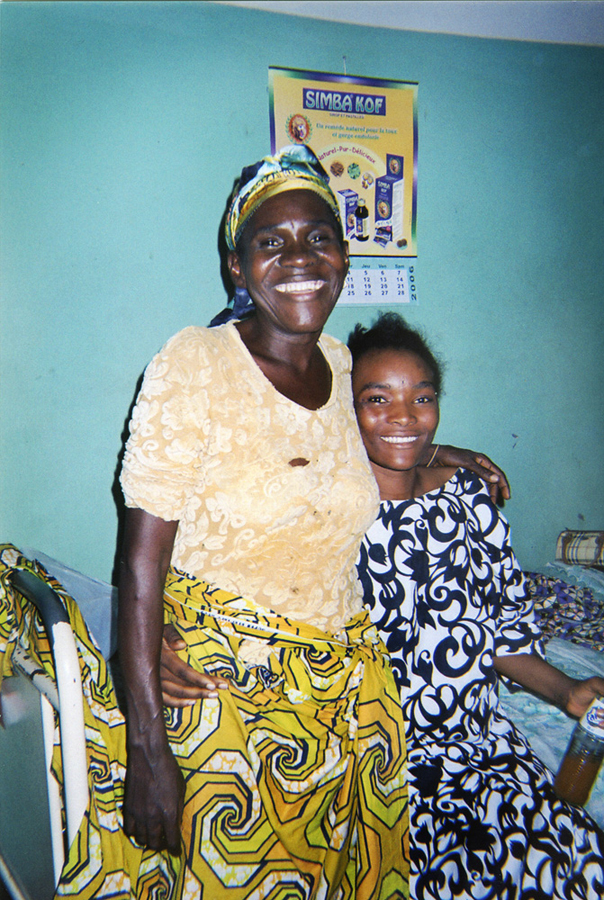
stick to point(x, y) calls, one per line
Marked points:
point(364, 131)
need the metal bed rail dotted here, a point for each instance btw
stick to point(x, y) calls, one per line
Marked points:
point(66, 698)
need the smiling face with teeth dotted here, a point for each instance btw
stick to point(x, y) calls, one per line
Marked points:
point(397, 411)
point(293, 261)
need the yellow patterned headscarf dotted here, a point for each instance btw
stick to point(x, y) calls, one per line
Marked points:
point(294, 167)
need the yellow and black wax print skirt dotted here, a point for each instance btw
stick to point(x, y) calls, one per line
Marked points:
point(295, 776)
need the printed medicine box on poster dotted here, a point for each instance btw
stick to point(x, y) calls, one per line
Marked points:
point(389, 202)
point(347, 202)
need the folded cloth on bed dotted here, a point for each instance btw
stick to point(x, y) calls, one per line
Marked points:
point(571, 612)
point(583, 547)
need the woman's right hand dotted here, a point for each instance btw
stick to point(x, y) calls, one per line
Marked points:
point(153, 799)
point(154, 787)
point(181, 685)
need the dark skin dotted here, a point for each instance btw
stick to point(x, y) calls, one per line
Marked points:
point(457, 458)
point(154, 788)
point(293, 262)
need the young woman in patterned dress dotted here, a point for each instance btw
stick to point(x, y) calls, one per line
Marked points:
point(447, 594)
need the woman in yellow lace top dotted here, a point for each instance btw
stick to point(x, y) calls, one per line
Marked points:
point(248, 492)
point(260, 485)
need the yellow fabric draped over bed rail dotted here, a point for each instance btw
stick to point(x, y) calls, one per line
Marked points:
point(295, 776)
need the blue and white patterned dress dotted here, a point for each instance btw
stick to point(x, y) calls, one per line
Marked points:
point(447, 593)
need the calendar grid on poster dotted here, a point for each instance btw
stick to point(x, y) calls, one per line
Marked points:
point(379, 285)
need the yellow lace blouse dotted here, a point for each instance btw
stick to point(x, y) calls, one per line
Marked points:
point(211, 445)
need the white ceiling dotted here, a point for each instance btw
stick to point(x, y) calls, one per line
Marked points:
point(554, 21)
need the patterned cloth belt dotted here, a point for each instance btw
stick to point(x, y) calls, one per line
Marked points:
point(191, 600)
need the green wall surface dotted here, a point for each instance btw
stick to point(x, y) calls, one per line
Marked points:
point(123, 128)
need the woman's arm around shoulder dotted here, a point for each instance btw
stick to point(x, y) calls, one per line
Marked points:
point(494, 477)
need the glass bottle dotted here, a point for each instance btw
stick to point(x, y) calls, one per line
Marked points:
point(362, 221)
point(584, 754)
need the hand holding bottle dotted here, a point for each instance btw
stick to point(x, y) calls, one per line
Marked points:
point(583, 756)
point(582, 694)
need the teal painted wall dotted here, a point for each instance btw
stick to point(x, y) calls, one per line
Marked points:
point(123, 127)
